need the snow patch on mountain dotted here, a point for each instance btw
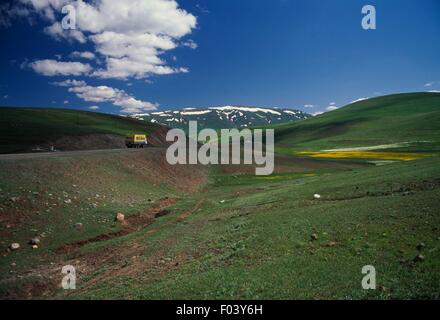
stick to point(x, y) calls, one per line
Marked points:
point(223, 117)
point(248, 109)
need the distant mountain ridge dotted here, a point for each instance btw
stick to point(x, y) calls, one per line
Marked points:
point(224, 117)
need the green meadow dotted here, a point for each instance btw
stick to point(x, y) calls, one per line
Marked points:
point(234, 235)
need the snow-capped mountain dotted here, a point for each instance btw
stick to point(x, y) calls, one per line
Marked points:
point(223, 117)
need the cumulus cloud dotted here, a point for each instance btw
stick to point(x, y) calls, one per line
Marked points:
point(94, 108)
point(57, 32)
point(309, 106)
point(132, 55)
point(117, 97)
point(130, 35)
point(84, 54)
point(50, 67)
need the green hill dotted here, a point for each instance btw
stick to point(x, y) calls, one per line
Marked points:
point(413, 118)
point(24, 128)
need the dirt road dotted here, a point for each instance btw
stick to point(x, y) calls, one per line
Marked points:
point(20, 156)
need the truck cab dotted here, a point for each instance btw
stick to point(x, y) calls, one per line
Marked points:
point(136, 141)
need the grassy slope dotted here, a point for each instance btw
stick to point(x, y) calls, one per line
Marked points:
point(390, 119)
point(258, 245)
point(250, 238)
point(247, 237)
point(21, 128)
point(95, 187)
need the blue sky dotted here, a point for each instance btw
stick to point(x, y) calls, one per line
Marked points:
point(284, 53)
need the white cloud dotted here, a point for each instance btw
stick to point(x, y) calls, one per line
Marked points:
point(429, 84)
point(84, 54)
point(317, 113)
point(46, 8)
point(117, 97)
point(190, 44)
point(94, 108)
point(8, 12)
point(66, 101)
point(434, 91)
point(50, 67)
point(309, 106)
point(131, 35)
point(69, 83)
point(57, 32)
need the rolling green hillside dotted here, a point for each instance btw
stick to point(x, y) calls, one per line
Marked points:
point(412, 117)
point(24, 128)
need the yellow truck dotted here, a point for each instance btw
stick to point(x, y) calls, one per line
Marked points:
point(136, 141)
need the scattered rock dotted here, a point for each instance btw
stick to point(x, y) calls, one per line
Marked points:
point(419, 258)
point(13, 199)
point(314, 237)
point(223, 201)
point(331, 244)
point(420, 246)
point(316, 196)
point(14, 246)
point(34, 246)
point(78, 226)
point(67, 201)
point(120, 217)
point(35, 241)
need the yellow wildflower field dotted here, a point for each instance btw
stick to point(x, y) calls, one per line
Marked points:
point(399, 156)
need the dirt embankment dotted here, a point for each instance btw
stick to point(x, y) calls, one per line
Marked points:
point(87, 142)
point(100, 141)
point(118, 175)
